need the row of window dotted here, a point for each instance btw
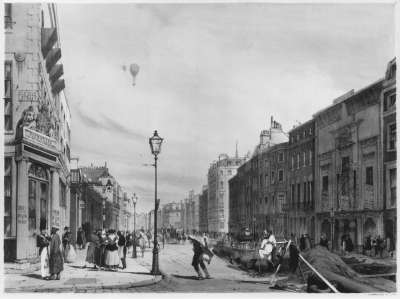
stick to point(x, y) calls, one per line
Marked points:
point(389, 102)
point(302, 159)
point(308, 194)
point(300, 135)
point(229, 172)
point(369, 179)
point(8, 96)
point(391, 131)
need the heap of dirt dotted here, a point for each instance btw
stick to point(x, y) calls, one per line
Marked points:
point(333, 268)
point(323, 260)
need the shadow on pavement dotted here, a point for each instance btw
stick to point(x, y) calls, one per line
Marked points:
point(77, 267)
point(143, 273)
point(192, 277)
point(33, 275)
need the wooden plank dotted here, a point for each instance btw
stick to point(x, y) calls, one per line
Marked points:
point(319, 274)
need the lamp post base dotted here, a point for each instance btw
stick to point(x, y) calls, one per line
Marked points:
point(155, 267)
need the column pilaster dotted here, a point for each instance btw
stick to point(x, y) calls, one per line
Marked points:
point(55, 200)
point(22, 210)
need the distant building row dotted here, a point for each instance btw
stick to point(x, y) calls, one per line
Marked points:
point(335, 174)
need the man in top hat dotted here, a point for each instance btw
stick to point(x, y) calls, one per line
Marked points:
point(56, 262)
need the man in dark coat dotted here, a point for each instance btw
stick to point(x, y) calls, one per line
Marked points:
point(56, 262)
point(198, 259)
point(293, 255)
point(323, 241)
point(94, 242)
point(122, 248)
point(81, 239)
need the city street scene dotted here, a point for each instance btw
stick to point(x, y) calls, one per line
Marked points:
point(200, 148)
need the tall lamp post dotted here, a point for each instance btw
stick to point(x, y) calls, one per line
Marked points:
point(155, 145)
point(134, 200)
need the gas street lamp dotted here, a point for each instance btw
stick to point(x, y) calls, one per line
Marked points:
point(134, 201)
point(155, 145)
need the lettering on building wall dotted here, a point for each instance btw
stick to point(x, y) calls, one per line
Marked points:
point(28, 96)
point(22, 215)
point(39, 138)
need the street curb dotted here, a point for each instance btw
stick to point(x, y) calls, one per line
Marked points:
point(86, 288)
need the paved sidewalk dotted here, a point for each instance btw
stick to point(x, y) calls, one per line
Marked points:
point(75, 278)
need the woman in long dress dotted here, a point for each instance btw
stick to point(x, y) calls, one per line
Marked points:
point(56, 262)
point(142, 243)
point(69, 251)
point(66, 241)
point(112, 258)
point(43, 241)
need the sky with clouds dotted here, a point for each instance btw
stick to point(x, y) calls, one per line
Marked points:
point(210, 74)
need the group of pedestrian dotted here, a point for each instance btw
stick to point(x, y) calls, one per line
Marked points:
point(107, 250)
point(51, 254)
point(377, 246)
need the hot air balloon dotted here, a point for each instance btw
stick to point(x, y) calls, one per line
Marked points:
point(134, 69)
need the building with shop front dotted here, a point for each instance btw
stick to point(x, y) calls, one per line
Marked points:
point(37, 132)
point(348, 170)
point(299, 204)
point(388, 132)
point(219, 173)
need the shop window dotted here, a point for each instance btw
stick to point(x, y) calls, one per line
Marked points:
point(8, 15)
point(369, 175)
point(392, 137)
point(7, 96)
point(392, 181)
point(7, 196)
point(325, 184)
